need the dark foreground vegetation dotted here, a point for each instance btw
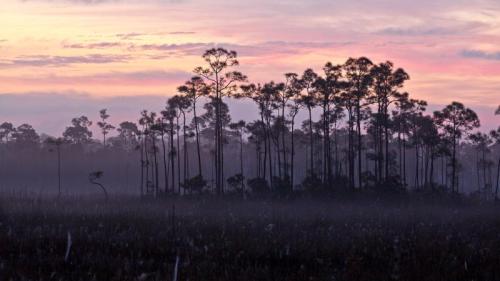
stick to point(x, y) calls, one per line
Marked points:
point(221, 239)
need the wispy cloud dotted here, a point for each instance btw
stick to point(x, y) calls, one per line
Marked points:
point(264, 48)
point(90, 2)
point(182, 32)
point(75, 1)
point(197, 48)
point(59, 61)
point(133, 82)
point(434, 28)
point(98, 45)
point(441, 39)
point(477, 54)
point(416, 31)
point(131, 35)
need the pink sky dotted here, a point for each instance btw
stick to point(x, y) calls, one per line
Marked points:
point(93, 52)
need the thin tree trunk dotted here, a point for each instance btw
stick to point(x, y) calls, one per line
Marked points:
point(335, 139)
point(360, 144)
point(292, 155)
point(478, 175)
point(218, 162)
point(264, 166)
point(178, 157)
point(453, 165)
point(172, 155)
point(432, 168)
point(386, 139)
point(351, 151)
point(241, 151)
point(156, 177)
point(404, 162)
point(328, 157)
point(222, 180)
point(164, 159)
point(197, 139)
point(311, 144)
point(186, 163)
point(285, 168)
point(485, 182)
point(147, 161)
point(498, 179)
point(59, 185)
point(269, 151)
point(417, 167)
point(142, 167)
point(400, 153)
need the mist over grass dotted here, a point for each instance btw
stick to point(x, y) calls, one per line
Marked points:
point(224, 239)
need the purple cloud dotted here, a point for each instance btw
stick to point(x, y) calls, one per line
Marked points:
point(98, 45)
point(59, 61)
point(476, 54)
point(264, 48)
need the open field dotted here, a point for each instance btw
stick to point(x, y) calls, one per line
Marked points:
point(216, 239)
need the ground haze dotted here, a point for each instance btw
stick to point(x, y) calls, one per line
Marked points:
point(221, 239)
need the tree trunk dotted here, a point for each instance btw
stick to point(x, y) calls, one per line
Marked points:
point(328, 159)
point(453, 165)
point(59, 185)
point(432, 168)
point(270, 161)
point(222, 179)
point(404, 162)
point(400, 154)
point(485, 182)
point(386, 139)
point(164, 159)
point(186, 163)
point(147, 161)
point(478, 175)
point(197, 140)
point(178, 157)
point(311, 144)
point(241, 151)
point(417, 167)
point(351, 150)
point(285, 168)
point(172, 155)
point(264, 161)
point(360, 144)
point(498, 179)
point(156, 177)
point(142, 167)
point(336, 151)
point(292, 155)
point(218, 162)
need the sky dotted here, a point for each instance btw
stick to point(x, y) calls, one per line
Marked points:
point(64, 58)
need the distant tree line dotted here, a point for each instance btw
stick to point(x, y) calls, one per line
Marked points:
point(362, 131)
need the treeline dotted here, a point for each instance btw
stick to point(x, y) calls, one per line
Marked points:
point(362, 131)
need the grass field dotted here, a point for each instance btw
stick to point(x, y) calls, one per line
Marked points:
point(215, 239)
